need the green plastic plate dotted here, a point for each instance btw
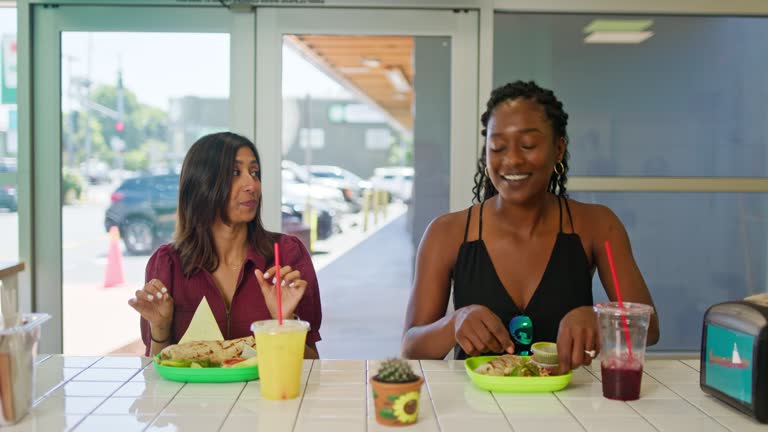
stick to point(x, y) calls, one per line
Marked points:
point(207, 375)
point(514, 384)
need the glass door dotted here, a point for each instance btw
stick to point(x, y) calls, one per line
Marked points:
point(121, 93)
point(376, 139)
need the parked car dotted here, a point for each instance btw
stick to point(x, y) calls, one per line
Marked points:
point(144, 209)
point(299, 191)
point(350, 197)
point(8, 198)
point(327, 223)
point(340, 177)
point(95, 171)
point(398, 181)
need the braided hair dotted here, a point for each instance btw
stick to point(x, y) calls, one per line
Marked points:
point(553, 109)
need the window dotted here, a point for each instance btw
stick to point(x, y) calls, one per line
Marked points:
point(686, 98)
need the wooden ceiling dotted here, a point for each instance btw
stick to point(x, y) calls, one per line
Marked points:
point(364, 63)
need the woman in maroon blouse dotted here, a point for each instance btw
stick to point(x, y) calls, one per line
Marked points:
point(222, 252)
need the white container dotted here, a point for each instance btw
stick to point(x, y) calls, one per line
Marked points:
point(18, 349)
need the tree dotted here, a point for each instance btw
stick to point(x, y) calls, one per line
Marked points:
point(142, 127)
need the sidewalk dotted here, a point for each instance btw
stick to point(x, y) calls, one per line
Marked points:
point(364, 295)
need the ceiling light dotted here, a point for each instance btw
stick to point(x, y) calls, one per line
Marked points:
point(618, 37)
point(370, 62)
point(398, 79)
point(608, 25)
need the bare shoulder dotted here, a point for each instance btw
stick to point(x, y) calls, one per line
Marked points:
point(445, 233)
point(587, 214)
point(449, 225)
point(594, 223)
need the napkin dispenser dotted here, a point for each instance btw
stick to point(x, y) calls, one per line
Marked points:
point(734, 356)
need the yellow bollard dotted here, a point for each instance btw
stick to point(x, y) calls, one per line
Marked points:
point(366, 208)
point(376, 195)
point(384, 203)
point(312, 229)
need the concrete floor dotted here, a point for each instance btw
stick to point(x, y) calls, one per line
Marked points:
point(364, 296)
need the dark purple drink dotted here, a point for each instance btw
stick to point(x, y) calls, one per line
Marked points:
point(621, 383)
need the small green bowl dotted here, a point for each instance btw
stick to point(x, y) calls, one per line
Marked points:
point(545, 352)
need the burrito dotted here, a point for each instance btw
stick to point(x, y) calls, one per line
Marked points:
point(213, 351)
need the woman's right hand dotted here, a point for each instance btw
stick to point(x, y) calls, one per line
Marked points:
point(478, 330)
point(154, 304)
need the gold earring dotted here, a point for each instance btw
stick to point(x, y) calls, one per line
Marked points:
point(561, 171)
point(486, 172)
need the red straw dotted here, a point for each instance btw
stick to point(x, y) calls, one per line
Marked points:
point(278, 286)
point(618, 297)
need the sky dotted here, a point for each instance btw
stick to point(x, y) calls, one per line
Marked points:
point(159, 66)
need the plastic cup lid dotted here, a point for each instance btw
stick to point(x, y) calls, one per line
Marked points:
point(25, 323)
point(273, 326)
point(630, 308)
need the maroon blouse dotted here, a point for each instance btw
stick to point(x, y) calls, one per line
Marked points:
point(248, 304)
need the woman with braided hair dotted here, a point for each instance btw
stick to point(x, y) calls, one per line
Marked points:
point(521, 259)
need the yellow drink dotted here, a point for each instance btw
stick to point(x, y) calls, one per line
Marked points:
point(281, 353)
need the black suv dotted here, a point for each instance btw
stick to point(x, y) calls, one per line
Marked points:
point(144, 209)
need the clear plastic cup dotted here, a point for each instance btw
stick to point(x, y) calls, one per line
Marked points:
point(622, 372)
point(281, 356)
point(19, 336)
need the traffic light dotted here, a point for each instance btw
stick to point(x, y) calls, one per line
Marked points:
point(119, 126)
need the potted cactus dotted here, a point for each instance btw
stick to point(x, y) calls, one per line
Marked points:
point(396, 390)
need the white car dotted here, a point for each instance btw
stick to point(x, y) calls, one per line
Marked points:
point(398, 181)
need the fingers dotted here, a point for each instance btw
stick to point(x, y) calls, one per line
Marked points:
point(261, 278)
point(484, 333)
point(483, 339)
point(500, 335)
point(577, 349)
point(564, 349)
point(270, 273)
point(589, 345)
point(290, 277)
point(471, 342)
point(467, 345)
point(154, 290)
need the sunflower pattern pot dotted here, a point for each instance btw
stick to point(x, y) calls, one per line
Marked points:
point(396, 404)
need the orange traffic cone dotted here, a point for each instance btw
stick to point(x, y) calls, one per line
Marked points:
point(114, 275)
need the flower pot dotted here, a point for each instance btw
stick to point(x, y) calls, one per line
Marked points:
point(396, 404)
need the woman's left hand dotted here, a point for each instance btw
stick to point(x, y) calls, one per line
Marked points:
point(577, 334)
point(292, 290)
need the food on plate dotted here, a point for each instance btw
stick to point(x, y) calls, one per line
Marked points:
point(513, 366)
point(210, 353)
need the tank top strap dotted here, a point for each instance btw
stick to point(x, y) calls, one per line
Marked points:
point(466, 229)
point(570, 217)
point(560, 206)
point(480, 222)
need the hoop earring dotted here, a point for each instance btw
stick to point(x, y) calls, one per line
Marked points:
point(486, 172)
point(561, 171)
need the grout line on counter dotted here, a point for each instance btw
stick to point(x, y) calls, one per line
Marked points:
point(237, 399)
point(301, 401)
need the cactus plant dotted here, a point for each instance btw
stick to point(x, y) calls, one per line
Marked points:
point(396, 370)
point(396, 392)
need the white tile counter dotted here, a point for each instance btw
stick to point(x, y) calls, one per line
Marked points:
point(117, 394)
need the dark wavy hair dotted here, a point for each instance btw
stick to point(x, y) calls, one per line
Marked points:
point(558, 118)
point(204, 189)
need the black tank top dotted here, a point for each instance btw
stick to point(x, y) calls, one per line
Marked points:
point(565, 285)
